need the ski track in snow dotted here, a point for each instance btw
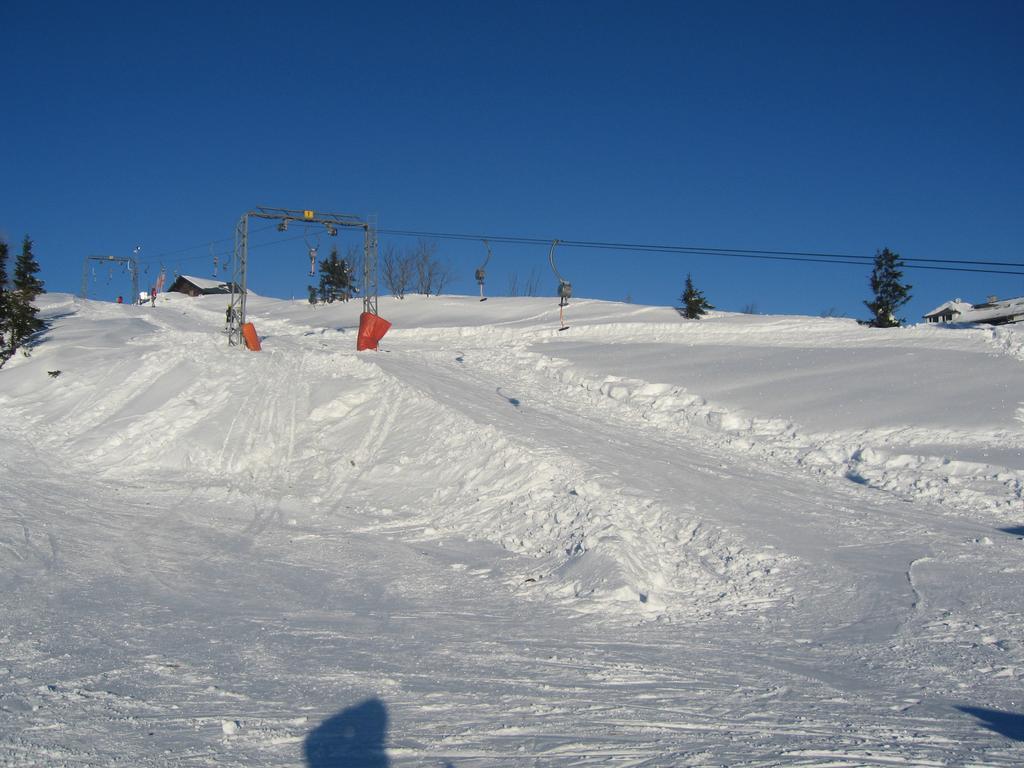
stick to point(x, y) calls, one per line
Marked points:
point(493, 554)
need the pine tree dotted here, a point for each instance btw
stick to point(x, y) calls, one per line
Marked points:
point(21, 314)
point(890, 292)
point(4, 294)
point(26, 269)
point(335, 278)
point(694, 303)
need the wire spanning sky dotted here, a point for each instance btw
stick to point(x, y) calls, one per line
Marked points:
point(836, 128)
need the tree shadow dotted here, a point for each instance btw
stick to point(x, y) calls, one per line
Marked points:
point(27, 345)
point(1014, 531)
point(353, 738)
point(1007, 724)
point(513, 401)
point(855, 477)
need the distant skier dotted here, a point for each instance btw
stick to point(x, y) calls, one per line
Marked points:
point(152, 296)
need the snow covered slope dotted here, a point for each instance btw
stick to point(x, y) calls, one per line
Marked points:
point(643, 541)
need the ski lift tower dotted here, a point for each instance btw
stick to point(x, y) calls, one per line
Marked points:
point(126, 261)
point(331, 222)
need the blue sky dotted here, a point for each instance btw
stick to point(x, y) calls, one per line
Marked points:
point(807, 126)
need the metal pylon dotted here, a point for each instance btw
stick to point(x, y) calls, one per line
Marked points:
point(236, 304)
point(236, 315)
point(370, 266)
point(129, 261)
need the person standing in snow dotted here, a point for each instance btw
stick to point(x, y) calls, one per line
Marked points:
point(152, 296)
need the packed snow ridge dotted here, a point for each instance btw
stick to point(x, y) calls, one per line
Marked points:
point(465, 425)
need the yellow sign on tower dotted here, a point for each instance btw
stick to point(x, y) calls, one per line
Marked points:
point(307, 215)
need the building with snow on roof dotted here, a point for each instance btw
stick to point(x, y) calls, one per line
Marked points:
point(198, 286)
point(992, 312)
point(950, 312)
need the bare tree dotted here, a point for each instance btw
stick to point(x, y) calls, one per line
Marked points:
point(354, 259)
point(431, 273)
point(442, 276)
point(513, 284)
point(422, 256)
point(532, 287)
point(396, 269)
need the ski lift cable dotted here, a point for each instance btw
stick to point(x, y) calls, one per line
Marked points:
point(226, 254)
point(969, 265)
point(164, 254)
point(860, 261)
point(705, 250)
point(779, 255)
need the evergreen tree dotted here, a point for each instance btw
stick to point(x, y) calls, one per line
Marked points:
point(26, 270)
point(890, 292)
point(312, 294)
point(4, 294)
point(21, 314)
point(694, 303)
point(335, 278)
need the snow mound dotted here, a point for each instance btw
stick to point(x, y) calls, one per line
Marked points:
point(149, 393)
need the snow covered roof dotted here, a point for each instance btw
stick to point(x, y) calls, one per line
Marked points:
point(956, 305)
point(199, 286)
point(1008, 310)
point(203, 283)
point(1005, 311)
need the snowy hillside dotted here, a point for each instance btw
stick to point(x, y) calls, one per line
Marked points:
point(642, 541)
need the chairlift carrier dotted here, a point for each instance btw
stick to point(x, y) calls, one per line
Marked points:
point(564, 287)
point(312, 251)
point(481, 271)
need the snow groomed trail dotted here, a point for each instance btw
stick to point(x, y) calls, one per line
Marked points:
point(491, 544)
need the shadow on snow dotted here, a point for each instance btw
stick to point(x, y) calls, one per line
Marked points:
point(513, 401)
point(353, 738)
point(30, 342)
point(1007, 724)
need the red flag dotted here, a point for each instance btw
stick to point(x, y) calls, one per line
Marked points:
point(371, 330)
